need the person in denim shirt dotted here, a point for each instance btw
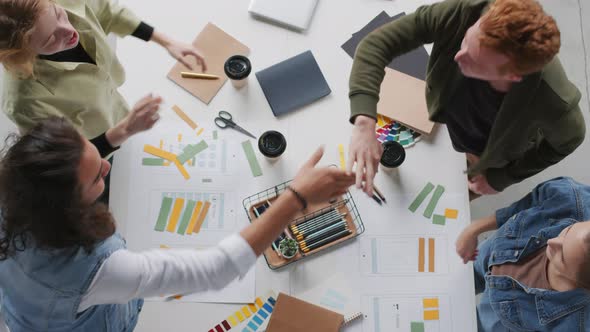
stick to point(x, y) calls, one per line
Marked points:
point(534, 272)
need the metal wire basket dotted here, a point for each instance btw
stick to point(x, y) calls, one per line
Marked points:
point(344, 205)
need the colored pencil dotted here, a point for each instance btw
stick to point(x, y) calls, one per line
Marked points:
point(319, 227)
point(327, 240)
point(316, 224)
point(313, 221)
point(336, 228)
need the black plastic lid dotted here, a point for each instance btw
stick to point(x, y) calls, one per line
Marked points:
point(237, 67)
point(393, 155)
point(272, 144)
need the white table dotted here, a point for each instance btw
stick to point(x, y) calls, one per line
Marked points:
point(324, 122)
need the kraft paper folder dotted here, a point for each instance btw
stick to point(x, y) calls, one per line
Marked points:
point(402, 98)
point(294, 315)
point(216, 46)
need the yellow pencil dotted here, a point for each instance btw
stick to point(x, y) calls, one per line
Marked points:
point(187, 74)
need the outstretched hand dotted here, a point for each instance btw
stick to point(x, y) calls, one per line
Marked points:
point(320, 184)
point(366, 151)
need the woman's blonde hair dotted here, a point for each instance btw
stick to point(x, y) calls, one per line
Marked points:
point(17, 20)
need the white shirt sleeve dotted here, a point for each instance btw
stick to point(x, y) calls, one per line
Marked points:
point(126, 275)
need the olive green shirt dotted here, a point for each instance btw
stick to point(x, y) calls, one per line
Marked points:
point(538, 124)
point(84, 93)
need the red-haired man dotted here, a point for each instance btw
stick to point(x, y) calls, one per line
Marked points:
point(493, 78)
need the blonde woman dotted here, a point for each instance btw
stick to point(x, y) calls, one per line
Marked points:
point(59, 62)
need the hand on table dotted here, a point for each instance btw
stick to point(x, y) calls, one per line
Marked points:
point(479, 185)
point(180, 50)
point(143, 116)
point(321, 184)
point(467, 244)
point(366, 151)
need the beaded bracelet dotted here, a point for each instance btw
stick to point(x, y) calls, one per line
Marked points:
point(299, 197)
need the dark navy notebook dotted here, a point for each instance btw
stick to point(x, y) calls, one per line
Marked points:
point(293, 83)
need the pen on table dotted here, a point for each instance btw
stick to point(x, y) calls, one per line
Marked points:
point(187, 74)
point(379, 193)
point(377, 199)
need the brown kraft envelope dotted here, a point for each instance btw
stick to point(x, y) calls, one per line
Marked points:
point(294, 315)
point(402, 99)
point(216, 46)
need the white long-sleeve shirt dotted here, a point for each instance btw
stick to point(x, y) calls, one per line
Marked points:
point(126, 275)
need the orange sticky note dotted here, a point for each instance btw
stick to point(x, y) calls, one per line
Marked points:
point(178, 204)
point(430, 314)
point(430, 303)
point(451, 213)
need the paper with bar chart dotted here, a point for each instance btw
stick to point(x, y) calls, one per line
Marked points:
point(403, 312)
point(404, 254)
point(198, 155)
point(201, 217)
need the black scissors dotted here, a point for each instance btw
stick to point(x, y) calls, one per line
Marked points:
point(224, 120)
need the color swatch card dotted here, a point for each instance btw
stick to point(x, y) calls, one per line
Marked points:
point(293, 83)
point(294, 315)
point(216, 46)
point(412, 63)
point(292, 14)
point(252, 317)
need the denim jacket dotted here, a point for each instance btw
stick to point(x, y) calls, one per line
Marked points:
point(42, 290)
point(523, 228)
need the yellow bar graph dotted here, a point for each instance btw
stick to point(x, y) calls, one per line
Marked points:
point(161, 144)
point(176, 210)
point(179, 138)
point(194, 217)
point(202, 216)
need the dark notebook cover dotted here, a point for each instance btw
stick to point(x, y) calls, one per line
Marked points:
point(293, 83)
point(412, 63)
